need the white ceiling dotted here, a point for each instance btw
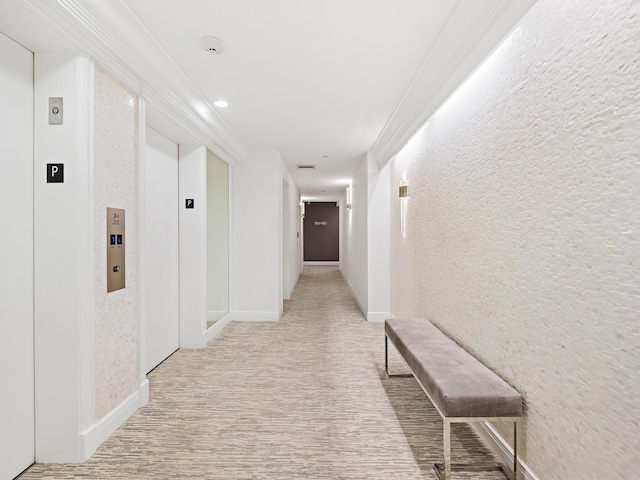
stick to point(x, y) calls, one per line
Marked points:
point(320, 81)
point(305, 78)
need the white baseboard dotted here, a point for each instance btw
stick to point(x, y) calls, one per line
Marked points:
point(217, 327)
point(501, 448)
point(143, 390)
point(256, 316)
point(215, 316)
point(101, 431)
point(354, 293)
point(322, 264)
point(295, 284)
point(378, 317)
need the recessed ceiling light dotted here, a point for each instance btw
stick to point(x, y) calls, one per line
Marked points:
point(221, 104)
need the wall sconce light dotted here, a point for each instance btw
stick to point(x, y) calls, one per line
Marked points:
point(348, 195)
point(402, 190)
point(403, 194)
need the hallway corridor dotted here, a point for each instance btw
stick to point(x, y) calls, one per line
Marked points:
point(305, 397)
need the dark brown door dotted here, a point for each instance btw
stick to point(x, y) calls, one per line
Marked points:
point(321, 232)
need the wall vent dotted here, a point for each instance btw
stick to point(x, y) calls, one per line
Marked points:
point(312, 167)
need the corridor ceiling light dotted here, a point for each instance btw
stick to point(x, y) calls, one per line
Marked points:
point(221, 103)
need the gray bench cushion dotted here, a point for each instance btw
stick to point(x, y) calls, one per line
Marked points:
point(458, 383)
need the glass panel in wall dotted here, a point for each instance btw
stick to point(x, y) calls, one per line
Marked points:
point(217, 238)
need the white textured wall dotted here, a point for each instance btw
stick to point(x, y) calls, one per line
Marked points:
point(115, 185)
point(523, 230)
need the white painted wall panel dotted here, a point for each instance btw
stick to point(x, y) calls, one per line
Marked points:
point(63, 260)
point(192, 184)
point(256, 238)
point(292, 238)
point(17, 430)
point(364, 245)
point(378, 250)
point(354, 231)
point(160, 293)
point(523, 230)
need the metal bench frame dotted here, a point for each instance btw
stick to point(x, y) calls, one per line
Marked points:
point(444, 470)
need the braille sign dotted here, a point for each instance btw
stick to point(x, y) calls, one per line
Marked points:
point(55, 172)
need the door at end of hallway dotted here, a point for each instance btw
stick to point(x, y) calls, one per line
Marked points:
point(321, 232)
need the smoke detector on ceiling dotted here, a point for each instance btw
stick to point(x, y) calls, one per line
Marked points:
point(213, 45)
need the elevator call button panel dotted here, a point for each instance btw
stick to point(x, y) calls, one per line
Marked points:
point(115, 249)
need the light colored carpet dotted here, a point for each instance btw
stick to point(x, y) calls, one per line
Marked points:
point(302, 398)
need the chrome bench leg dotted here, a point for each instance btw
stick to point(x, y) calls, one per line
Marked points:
point(516, 444)
point(386, 361)
point(386, 354)
point(447, 449)
point(443, 470)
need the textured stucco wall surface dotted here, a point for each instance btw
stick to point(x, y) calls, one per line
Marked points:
point(115, 185)
point(523, 230)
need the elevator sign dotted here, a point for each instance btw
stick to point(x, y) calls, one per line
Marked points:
point(55, 172)
point(115, 249)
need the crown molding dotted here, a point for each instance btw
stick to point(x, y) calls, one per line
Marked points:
point(111, 35)
point(471, 33)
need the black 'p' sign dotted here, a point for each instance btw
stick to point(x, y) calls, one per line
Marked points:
point(55, 172)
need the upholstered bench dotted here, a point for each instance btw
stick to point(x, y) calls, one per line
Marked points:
point(460, 387)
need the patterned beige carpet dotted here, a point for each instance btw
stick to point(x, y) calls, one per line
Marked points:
point(302, 398)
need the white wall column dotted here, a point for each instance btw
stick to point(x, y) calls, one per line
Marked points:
point(365, 251)
point(64, 260)
point(291, 240)
point(256, 238)
point(378, 235)
point(192, 170)
point(354, 231)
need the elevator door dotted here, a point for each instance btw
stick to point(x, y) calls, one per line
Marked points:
point(17, 429)
point(161, 293)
